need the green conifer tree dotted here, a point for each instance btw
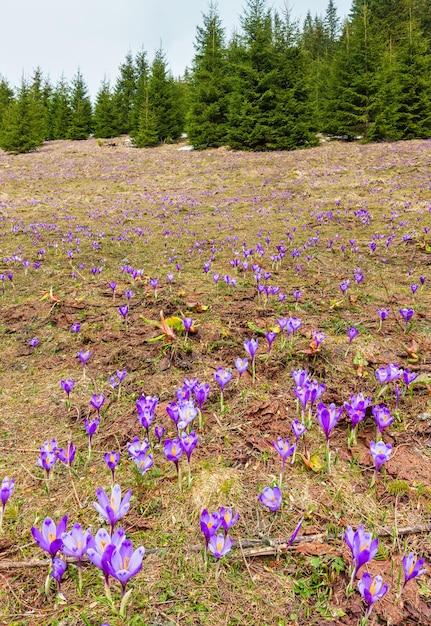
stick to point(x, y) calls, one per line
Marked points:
point(23, 123)
point(60, 111)
point(81, 110)
point(105, 116)
point(124, 95)
point(208, 97)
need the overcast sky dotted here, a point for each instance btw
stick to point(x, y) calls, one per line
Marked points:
point(95, 35)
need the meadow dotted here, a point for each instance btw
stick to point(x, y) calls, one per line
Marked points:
point(166, 316)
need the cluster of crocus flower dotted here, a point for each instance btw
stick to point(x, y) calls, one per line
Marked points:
point(218, 543)
point(356, 409)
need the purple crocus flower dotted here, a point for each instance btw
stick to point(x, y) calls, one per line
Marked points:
point(97, 401)
point(121, 375)
point(58, 567)
point(409, 377)
point(84, 356)
point(406, 314)
point(91, 427)
point(298, 429)
point(380, 452)
point(187, 323)
point(114, 508)
point(388, 374)
point(251, 346)
point(328, 417)
point(219, 545)
point(362, 547)
point(318, 337)
point(173, 451)
point(296, 294)
point(124, 563)
point(143, 462)
point(172, 410)
point(50, 538)
point(159, 431)
point(6, 490)
point(201, 393)
point(101, 547)
point(270, 336)
point(67, 455)
point(412, 568)
point(284, 449)
point(111, 461)
point(33, 342)
point(300, 377)
point(187, 413)
point(371, 589)
point(271, 498)
point(223, 376)
point(209, 523)
point(293, 324)
point(76, 542)
point(227, 518)
point(47, 460)
point(352, 332)
point(75, 328)
point(382, 416)
point(67, 385)
point(383, 313)
point(241, 365)
point(188, 443)
point(146, 406)
point(136, 447)
point(123, 310)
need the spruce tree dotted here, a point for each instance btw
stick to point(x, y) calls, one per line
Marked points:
point(6, 95)
point(164, 100)
point(80, 121)
point(140, 98)
point(105, 117)
point(208, 97)
point(23, 123)
point(60, 111)
point(124, 95)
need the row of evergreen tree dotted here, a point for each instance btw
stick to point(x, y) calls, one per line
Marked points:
point(271, 86)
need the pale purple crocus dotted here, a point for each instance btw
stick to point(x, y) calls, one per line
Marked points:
point(284, 449)
point(251, 346)
point(187, 325)
point(67, 455)
point(84, 356)
point(173, 451)
point(372, 590)
point(75, 544)
point(328, 418)
point(241, 366)
point(363, 548)
point(219, 545)
point(49, 538)
point(159, 431)
point(101, 547)
point(6, 490)
point(411, 569)
point(382, 416)
point(188, 442)
point(143, 462)
point(111, 461)
point(227, 518)
point(123, 310)
point(123, 564)
point(67, 385)
point(271, 498)
point(58, 568)
point(114, 508)
point(222, 377)
point(381, 452)
point(97, 401)
point(136, 447)
point(91, 427)
point(270, 336)
point(407, 314)
point(352, 333)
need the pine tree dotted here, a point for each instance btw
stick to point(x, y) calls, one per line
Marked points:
point(23, 123)
point(80, 122)
point(105, 117)
point(208, 99)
